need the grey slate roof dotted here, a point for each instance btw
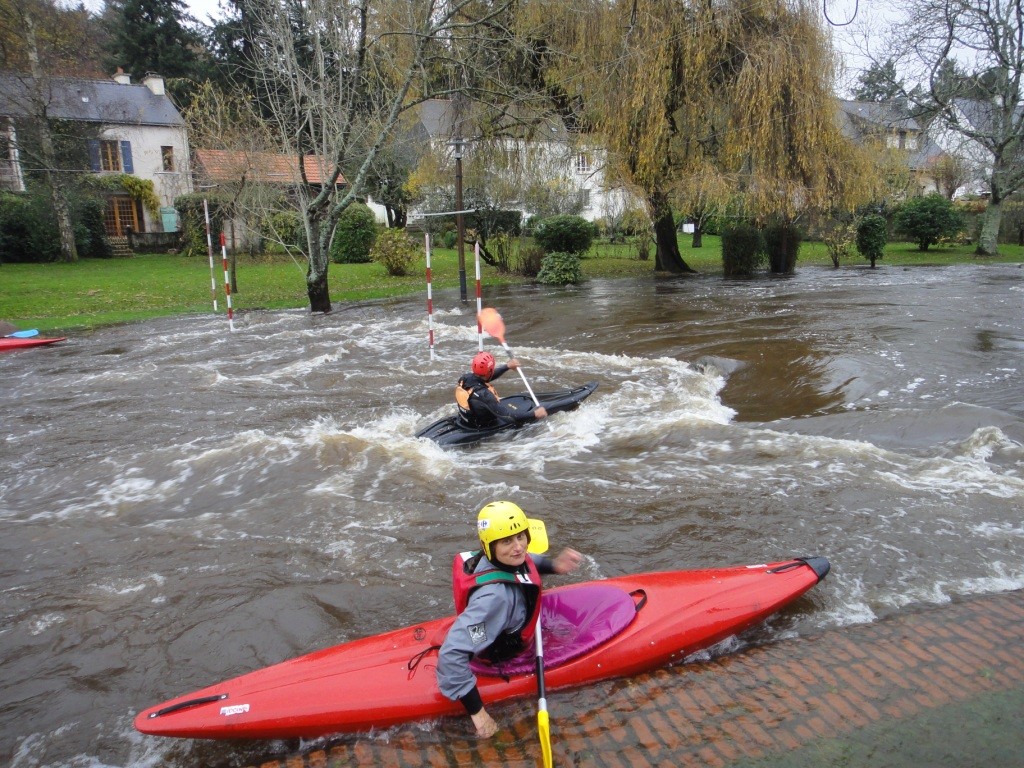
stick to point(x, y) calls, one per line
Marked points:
point(93, 101)
point(860, 118)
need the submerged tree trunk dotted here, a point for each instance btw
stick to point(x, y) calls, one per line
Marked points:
point(666, 257)
point(316, 275)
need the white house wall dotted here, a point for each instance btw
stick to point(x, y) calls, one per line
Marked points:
point(147, 161)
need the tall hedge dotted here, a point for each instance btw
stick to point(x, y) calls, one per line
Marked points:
point(872, 234)
point(782, 243)
point(742, 250)
point(28, 227)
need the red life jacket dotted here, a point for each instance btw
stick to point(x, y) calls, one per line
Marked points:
point(465, 580)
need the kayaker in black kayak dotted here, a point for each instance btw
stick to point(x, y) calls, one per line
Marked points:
point(478, 401)
point(497, 599)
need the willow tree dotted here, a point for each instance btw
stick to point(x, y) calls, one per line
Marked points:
point(740, 87)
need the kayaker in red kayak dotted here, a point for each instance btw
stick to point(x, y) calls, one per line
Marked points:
point(478, 401)
point(497, 599)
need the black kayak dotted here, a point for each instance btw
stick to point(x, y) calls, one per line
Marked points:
point(454, 430)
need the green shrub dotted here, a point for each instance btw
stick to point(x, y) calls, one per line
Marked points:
point(493, 221)
point(450, 239)
point(742, 250)
point(564, 234)
point(395, 251)
point(872, 234)
point(90, 230)
point(929, 219)
point(560, 268)
point(354, 236)
point(782, 243)
point(285, 227)
point(28, 229)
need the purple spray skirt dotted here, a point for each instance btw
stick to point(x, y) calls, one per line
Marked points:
point(574, 620)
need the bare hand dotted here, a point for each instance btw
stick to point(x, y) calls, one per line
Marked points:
point(485, 725)
point(568, 560)
point(513, 364)
point(540, 412)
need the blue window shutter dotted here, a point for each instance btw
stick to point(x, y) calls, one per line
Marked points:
point(94, 155)
point(126, 157)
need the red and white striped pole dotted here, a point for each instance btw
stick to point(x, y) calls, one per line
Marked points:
point(227, 280)
point(430, 303)
point(209, 251)
point(479, 306)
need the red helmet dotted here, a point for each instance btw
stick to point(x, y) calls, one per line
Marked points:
point(483, 364)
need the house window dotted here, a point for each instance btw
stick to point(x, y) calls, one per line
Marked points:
point(122, 212)
point(167, 155)
point(110, 157)
point(582, 163)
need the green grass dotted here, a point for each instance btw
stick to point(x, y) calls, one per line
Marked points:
point(96, 292)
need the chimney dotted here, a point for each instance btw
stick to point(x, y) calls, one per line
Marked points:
point(154, 82)
point(121, 77)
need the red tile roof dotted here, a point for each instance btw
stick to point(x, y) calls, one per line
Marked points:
point(220, 165)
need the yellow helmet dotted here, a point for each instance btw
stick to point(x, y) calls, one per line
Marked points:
point(500, 519)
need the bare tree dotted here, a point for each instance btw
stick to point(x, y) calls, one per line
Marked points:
point(970, 59)
point(334, 78)
point(42, 50)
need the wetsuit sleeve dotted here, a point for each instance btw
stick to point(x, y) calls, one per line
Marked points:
point(500, 371)
point(485, 400)
point(489, 613)
point(545, 565)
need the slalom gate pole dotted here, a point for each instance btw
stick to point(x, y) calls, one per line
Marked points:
point(209, 251)
point(227, 280)
point(430, 303)
point(479, 328)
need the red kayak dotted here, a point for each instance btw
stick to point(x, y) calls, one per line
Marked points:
point(13, 342)
point(653, 619)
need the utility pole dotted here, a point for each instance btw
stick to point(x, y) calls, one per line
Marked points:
point(459, 223)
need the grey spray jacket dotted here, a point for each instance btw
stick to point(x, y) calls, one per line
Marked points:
point(493, 609)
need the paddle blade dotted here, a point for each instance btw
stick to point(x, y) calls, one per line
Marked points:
point(538, 537)
point(25, 334)
point(544, 733)
point(491, 322)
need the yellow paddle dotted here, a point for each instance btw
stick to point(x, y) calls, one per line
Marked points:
point(543, 722)
point(539, 545)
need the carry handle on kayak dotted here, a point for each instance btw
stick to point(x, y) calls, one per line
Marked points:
point(643, 598)
point(187, 704)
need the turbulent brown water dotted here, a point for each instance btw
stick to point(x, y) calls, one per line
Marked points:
point(180, 504)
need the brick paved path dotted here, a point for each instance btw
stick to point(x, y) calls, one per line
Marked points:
point(750, 706)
